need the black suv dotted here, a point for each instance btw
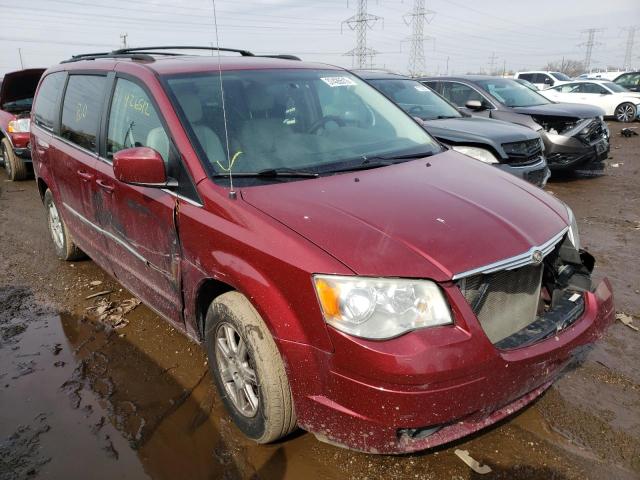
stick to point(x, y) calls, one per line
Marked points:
point(512, 148)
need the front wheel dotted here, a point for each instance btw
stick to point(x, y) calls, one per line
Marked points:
point(625, 112)
point(247, 369)
point(14, 165)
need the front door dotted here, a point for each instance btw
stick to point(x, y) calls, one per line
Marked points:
point(139, 221)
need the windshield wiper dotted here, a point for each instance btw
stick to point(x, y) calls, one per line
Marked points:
point(271, 173)
point(441, 117)
point(377, 162)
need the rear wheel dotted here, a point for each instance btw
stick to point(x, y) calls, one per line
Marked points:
point(15, 167)
point(63, 242)
point(625, 112)
point(247, 369)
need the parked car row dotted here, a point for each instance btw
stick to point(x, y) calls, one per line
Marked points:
point(575, 136)
point(347, 272)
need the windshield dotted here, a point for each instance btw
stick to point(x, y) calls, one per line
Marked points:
point(416, 99)
point(560, 76)
point(511, 93)
point(308, 120)
point(614, 87)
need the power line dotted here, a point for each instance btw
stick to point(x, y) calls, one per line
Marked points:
point(628, 52)
point(590, 43)
point(360, 23)
point(416, 19)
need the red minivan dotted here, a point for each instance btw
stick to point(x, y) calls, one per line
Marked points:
point(346, 273)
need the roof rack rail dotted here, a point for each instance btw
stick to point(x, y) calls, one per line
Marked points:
point(94, 56)
point(244, 53)
point(146, 53)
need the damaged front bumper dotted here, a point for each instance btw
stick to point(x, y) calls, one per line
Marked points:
point(436, 385)
point(584, 145)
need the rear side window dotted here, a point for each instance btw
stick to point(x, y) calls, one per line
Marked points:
point(526, 76)
point(82, 108)
point(45, 110)
point(134, 122)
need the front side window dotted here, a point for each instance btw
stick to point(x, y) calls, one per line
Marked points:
point(628, 80)
point(459, 94)
point(590, 88)
point(561, 76)
point(416, 99)
point(511, 93)
point(312, 120)
point(46, 110)
point(81, 110)
point(134, 122)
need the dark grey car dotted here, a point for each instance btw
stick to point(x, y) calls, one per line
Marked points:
point(512, 148)
point(575, 136)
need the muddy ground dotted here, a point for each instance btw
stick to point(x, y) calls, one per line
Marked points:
point(80, 399)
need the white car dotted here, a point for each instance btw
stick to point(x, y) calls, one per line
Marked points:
point(543, 79)
point(615, 100)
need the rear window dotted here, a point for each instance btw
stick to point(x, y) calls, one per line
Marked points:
point(46, 107)
point(82, 108)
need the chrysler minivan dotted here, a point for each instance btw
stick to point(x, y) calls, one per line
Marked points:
point(345, 272)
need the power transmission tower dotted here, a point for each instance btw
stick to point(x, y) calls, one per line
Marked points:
point(123, 37)
point(360, 23)
point(492, 63)
point(416, 19)
point(590, 43)
point(628, 52)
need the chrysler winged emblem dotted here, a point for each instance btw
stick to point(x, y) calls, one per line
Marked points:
point(536, 257)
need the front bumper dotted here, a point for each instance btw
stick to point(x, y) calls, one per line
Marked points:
point(431, 386)
point(537, 174)
point(570, 152)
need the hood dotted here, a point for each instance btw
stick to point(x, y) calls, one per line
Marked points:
point(20, 85)
point(477, 130)
point(575, 110)
point(429, 218)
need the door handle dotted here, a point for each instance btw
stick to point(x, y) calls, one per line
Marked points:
point(85, 176)
point(107, 187)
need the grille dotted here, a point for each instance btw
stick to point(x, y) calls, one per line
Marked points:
point(523, 153)
point(505, 302)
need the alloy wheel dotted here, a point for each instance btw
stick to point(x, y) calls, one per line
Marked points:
point(234, 364)
point(55, 226)
point(625, 113)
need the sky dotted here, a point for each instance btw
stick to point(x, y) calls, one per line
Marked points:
point(464, 34)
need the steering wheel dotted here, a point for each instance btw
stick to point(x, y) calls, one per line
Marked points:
point(416, 110)
point(326, 119)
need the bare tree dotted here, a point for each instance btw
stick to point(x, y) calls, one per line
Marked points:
point(572, 68)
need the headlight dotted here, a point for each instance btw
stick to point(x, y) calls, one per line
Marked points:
point(481, 154)
point(574, 235)
point(19, 126)
point(380, 308)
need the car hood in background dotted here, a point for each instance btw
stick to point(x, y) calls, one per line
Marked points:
point(429, 218)
point(478, 130)
point(20, 85)
point(575, 110)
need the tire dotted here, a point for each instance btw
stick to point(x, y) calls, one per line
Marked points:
point(15, 167)
point(255, 371)
point(625, 112)
point(63, 242)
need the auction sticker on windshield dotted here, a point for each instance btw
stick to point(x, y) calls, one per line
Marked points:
point(338, 81)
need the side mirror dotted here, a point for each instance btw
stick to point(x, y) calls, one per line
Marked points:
point(140, 166)
point(475, 105)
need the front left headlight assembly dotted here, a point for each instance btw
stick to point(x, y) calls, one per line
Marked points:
point(20, 125)
point(478, 153)
point(574, 235)
point(380, 308)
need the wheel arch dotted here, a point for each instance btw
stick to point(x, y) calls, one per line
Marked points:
point(207, 292)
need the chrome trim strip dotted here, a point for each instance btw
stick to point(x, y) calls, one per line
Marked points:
point(181, 197)
point(108, 234)
point(516, 261)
